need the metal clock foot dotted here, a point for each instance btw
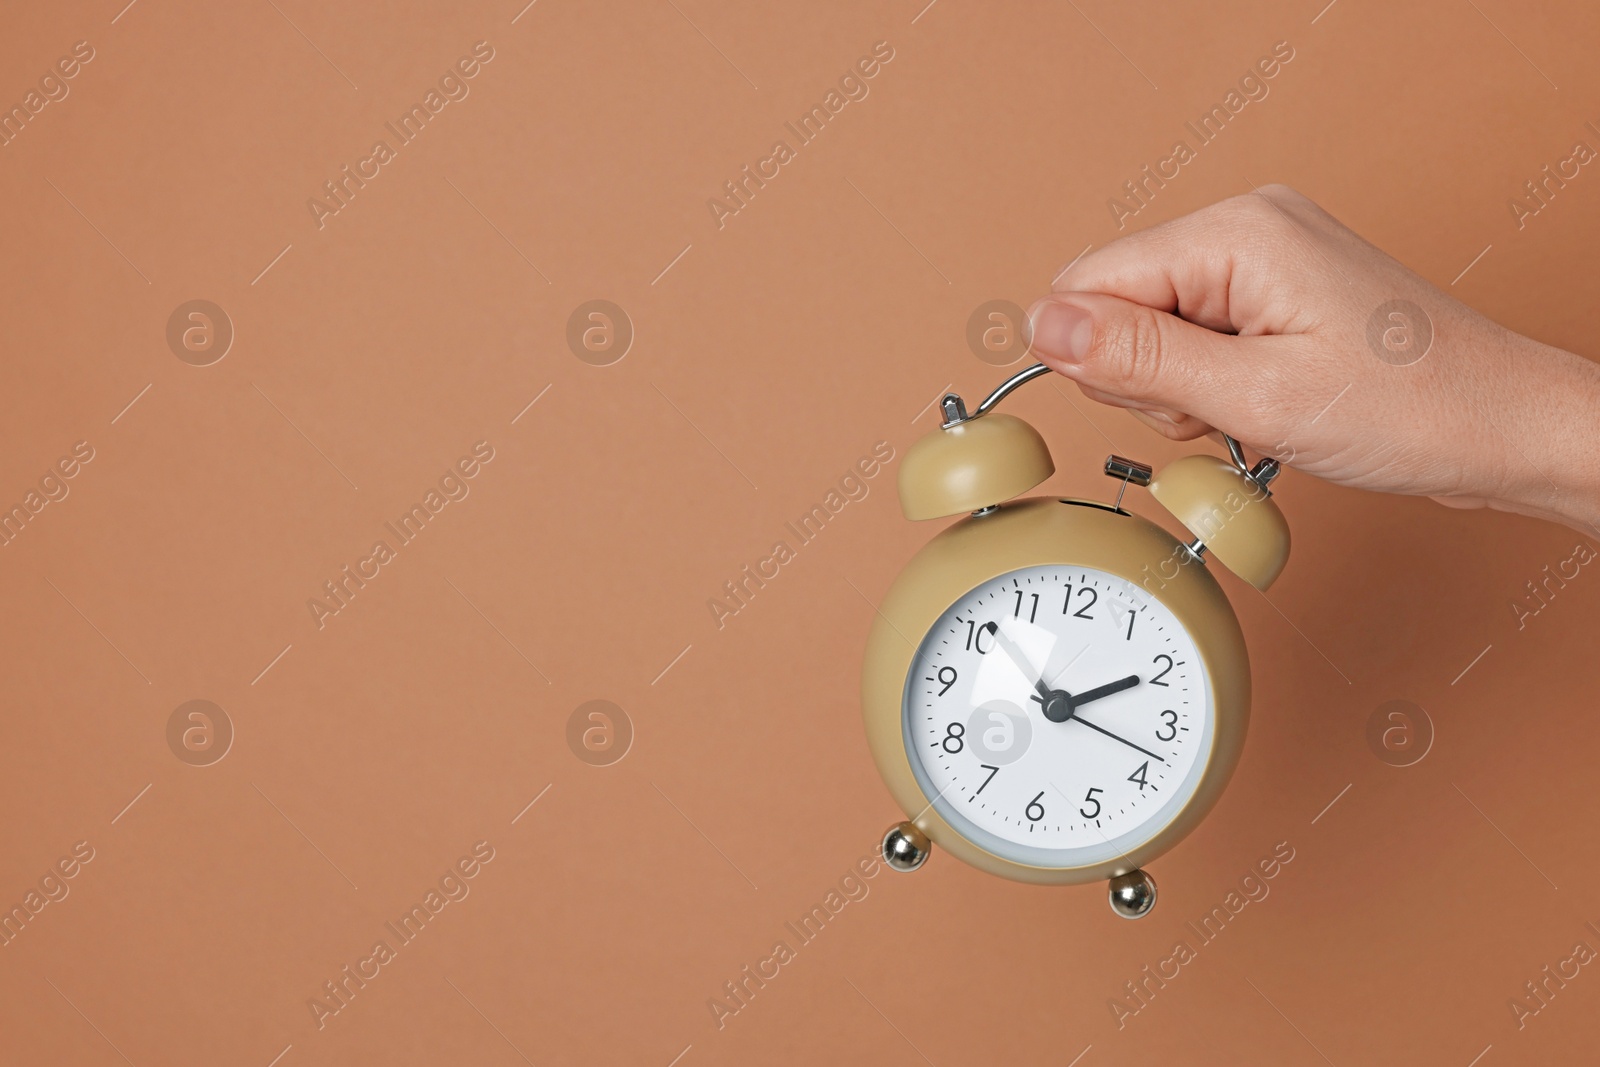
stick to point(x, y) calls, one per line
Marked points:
point(1133, 894)
point(905, 848)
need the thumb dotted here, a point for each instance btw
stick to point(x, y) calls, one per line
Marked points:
point(1149, 358)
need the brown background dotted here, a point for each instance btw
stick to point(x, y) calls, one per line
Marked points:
point(824, 317)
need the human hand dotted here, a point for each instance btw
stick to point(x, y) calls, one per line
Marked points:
point(1252, 317)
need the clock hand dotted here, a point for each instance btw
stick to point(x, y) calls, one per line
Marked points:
point(1018, 660)
point(1114, 737)
point(1060, 705)
point(1080, 699)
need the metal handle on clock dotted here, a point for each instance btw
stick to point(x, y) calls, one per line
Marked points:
point(955, 413)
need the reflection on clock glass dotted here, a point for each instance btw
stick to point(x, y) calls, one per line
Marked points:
point(1058, 716)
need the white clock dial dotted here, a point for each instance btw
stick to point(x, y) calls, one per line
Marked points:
point(1058, 716)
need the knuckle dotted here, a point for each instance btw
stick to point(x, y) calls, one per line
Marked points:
point(1260, 212)
point(1264, 213)
point(1135, 344)
point(1281, 194)
point(1244, 208)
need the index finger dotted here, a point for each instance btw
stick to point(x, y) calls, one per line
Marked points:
point(1189, 266)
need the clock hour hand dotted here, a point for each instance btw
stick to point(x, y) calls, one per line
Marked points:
point(1080, 699)
point(1059, 705)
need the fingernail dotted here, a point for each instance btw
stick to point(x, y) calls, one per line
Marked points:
point(1062, 331)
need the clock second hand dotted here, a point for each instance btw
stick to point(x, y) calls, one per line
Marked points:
point(1045, 693)
point(1074, 703)
point(1078, 718)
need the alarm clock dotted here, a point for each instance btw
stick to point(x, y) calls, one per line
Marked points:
point(1057, 690)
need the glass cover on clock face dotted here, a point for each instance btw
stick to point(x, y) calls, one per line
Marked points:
point(1058, 716)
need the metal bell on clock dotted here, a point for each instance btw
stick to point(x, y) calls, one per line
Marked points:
point(971, 463)
point(1230, 511)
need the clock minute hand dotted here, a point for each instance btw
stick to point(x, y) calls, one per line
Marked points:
point(1018, 660)
point(1080, 699)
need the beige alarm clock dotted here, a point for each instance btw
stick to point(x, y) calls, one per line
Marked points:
point(1057, 691)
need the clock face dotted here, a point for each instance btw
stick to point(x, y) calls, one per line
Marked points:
point(1058, 716)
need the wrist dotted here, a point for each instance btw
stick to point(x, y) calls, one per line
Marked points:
point(1551, 466)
